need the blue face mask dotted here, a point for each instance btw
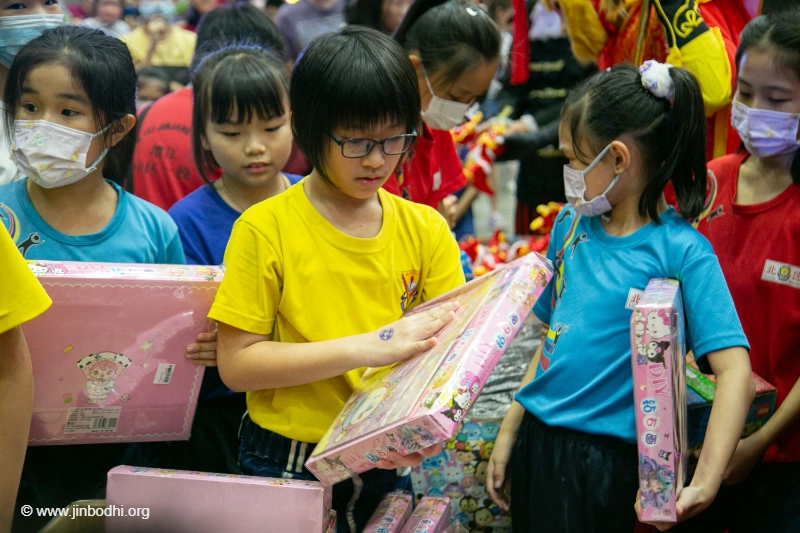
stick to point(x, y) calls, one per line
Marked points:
point(149, 9)
point(17, 31)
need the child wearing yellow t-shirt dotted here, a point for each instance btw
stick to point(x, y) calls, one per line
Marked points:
point(23, 299)
point(319, 277)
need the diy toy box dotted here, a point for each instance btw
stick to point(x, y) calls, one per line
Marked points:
point(391, 514)
point(659, 383)
point(414, 404)
point(432, 515)
point(199, 502)
point(108, 356)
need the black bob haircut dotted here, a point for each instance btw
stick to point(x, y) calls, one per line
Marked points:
point(670, 136)
point(777, 34)
point(235, 84)
point(237, 22)
point(355, 78)
point(451, 36)
point(101, 66)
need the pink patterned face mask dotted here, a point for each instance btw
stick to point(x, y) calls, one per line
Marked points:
point(765, 133)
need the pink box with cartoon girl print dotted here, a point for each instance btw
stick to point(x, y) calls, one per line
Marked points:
point(391, 514)
point(432, 515)
point(108, 356)
point(659, 386)
point(414, 404)
point(199, 502)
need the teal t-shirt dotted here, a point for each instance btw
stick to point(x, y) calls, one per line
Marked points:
point(139, 232)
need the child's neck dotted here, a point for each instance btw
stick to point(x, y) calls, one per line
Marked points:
point(81, 208)
point(241, 197)
point(763, 178)
point(624, 219)
point(360, 218)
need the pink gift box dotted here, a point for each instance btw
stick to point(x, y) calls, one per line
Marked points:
point(432, 515)
point(414, 404)
point(199, 502)
point(108, 357)
point(391, 514)
point(659, 380)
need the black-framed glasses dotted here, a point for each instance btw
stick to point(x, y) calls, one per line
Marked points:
point(356, 148)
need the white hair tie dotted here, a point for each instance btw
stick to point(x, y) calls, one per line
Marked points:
point(656, 79)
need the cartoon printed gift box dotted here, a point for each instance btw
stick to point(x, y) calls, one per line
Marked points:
point(432, 515)
point(414, 404)
point(108, 356)
point(199, 502)
point(392, 513)
point(659, 379)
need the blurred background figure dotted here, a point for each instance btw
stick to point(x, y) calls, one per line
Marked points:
point(381, 15)
point(271, 8)
point(300, 22)
point(195, 11)
point(107, 17)
point(80, 10)
point(151, 84)
point(160, 43)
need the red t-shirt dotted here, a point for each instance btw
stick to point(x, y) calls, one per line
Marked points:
point(759, 250)
point(163, 164)
point(432, 172)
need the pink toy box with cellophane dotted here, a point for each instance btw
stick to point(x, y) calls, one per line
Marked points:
point(659, 382)
point(416, 403)
point(391, 514)
point(201, 502)
point(432, 515)
point(108, 357)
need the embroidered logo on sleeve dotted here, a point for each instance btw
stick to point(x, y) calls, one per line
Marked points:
point(782, 273)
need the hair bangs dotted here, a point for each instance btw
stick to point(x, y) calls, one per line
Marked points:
point(242, 89)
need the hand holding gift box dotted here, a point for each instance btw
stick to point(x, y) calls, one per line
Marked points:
point(109, 356)
point(411, 405)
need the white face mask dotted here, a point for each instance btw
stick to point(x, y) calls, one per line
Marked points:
point(52, 155)
point(765, 133)
point(575, 189)
point(443, 114)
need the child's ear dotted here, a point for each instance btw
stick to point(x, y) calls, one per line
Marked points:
point(121, 128)
point(204, 143)
point(622, 157)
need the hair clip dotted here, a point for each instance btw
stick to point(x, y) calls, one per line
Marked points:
point(472, 11)
point(656, 79)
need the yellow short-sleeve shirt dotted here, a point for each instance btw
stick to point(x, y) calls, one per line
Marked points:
point(175, 50)
point(290, 273)
point(22, 297)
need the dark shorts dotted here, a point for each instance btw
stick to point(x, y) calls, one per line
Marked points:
point(767, 501)
point(564, 481)
point(265, 453)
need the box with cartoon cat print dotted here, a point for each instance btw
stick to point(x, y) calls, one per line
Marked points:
point(417, 403)
point(108, 356)
point(658, 349)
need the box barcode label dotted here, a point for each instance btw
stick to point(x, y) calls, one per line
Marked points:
point(92, 420)
point(163, 374)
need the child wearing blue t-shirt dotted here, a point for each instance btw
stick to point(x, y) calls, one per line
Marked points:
point(241, 129)
point(568, 443)
point(70, 105)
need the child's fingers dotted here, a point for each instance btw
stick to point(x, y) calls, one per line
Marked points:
point(207, 336)
point(194, 349)
point(431, 451)
point(205, 362)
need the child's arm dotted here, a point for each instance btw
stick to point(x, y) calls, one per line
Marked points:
point(16, 403)
point(735, 392)
point(249, 362)
point(497, 474)
point(750, 450)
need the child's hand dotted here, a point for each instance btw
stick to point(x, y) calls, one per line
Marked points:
point(395, 460)
point(447, 208)
point(691, 501)
point(204, 350)
point(407, 337)
point(498, 479)
point(748, 453)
